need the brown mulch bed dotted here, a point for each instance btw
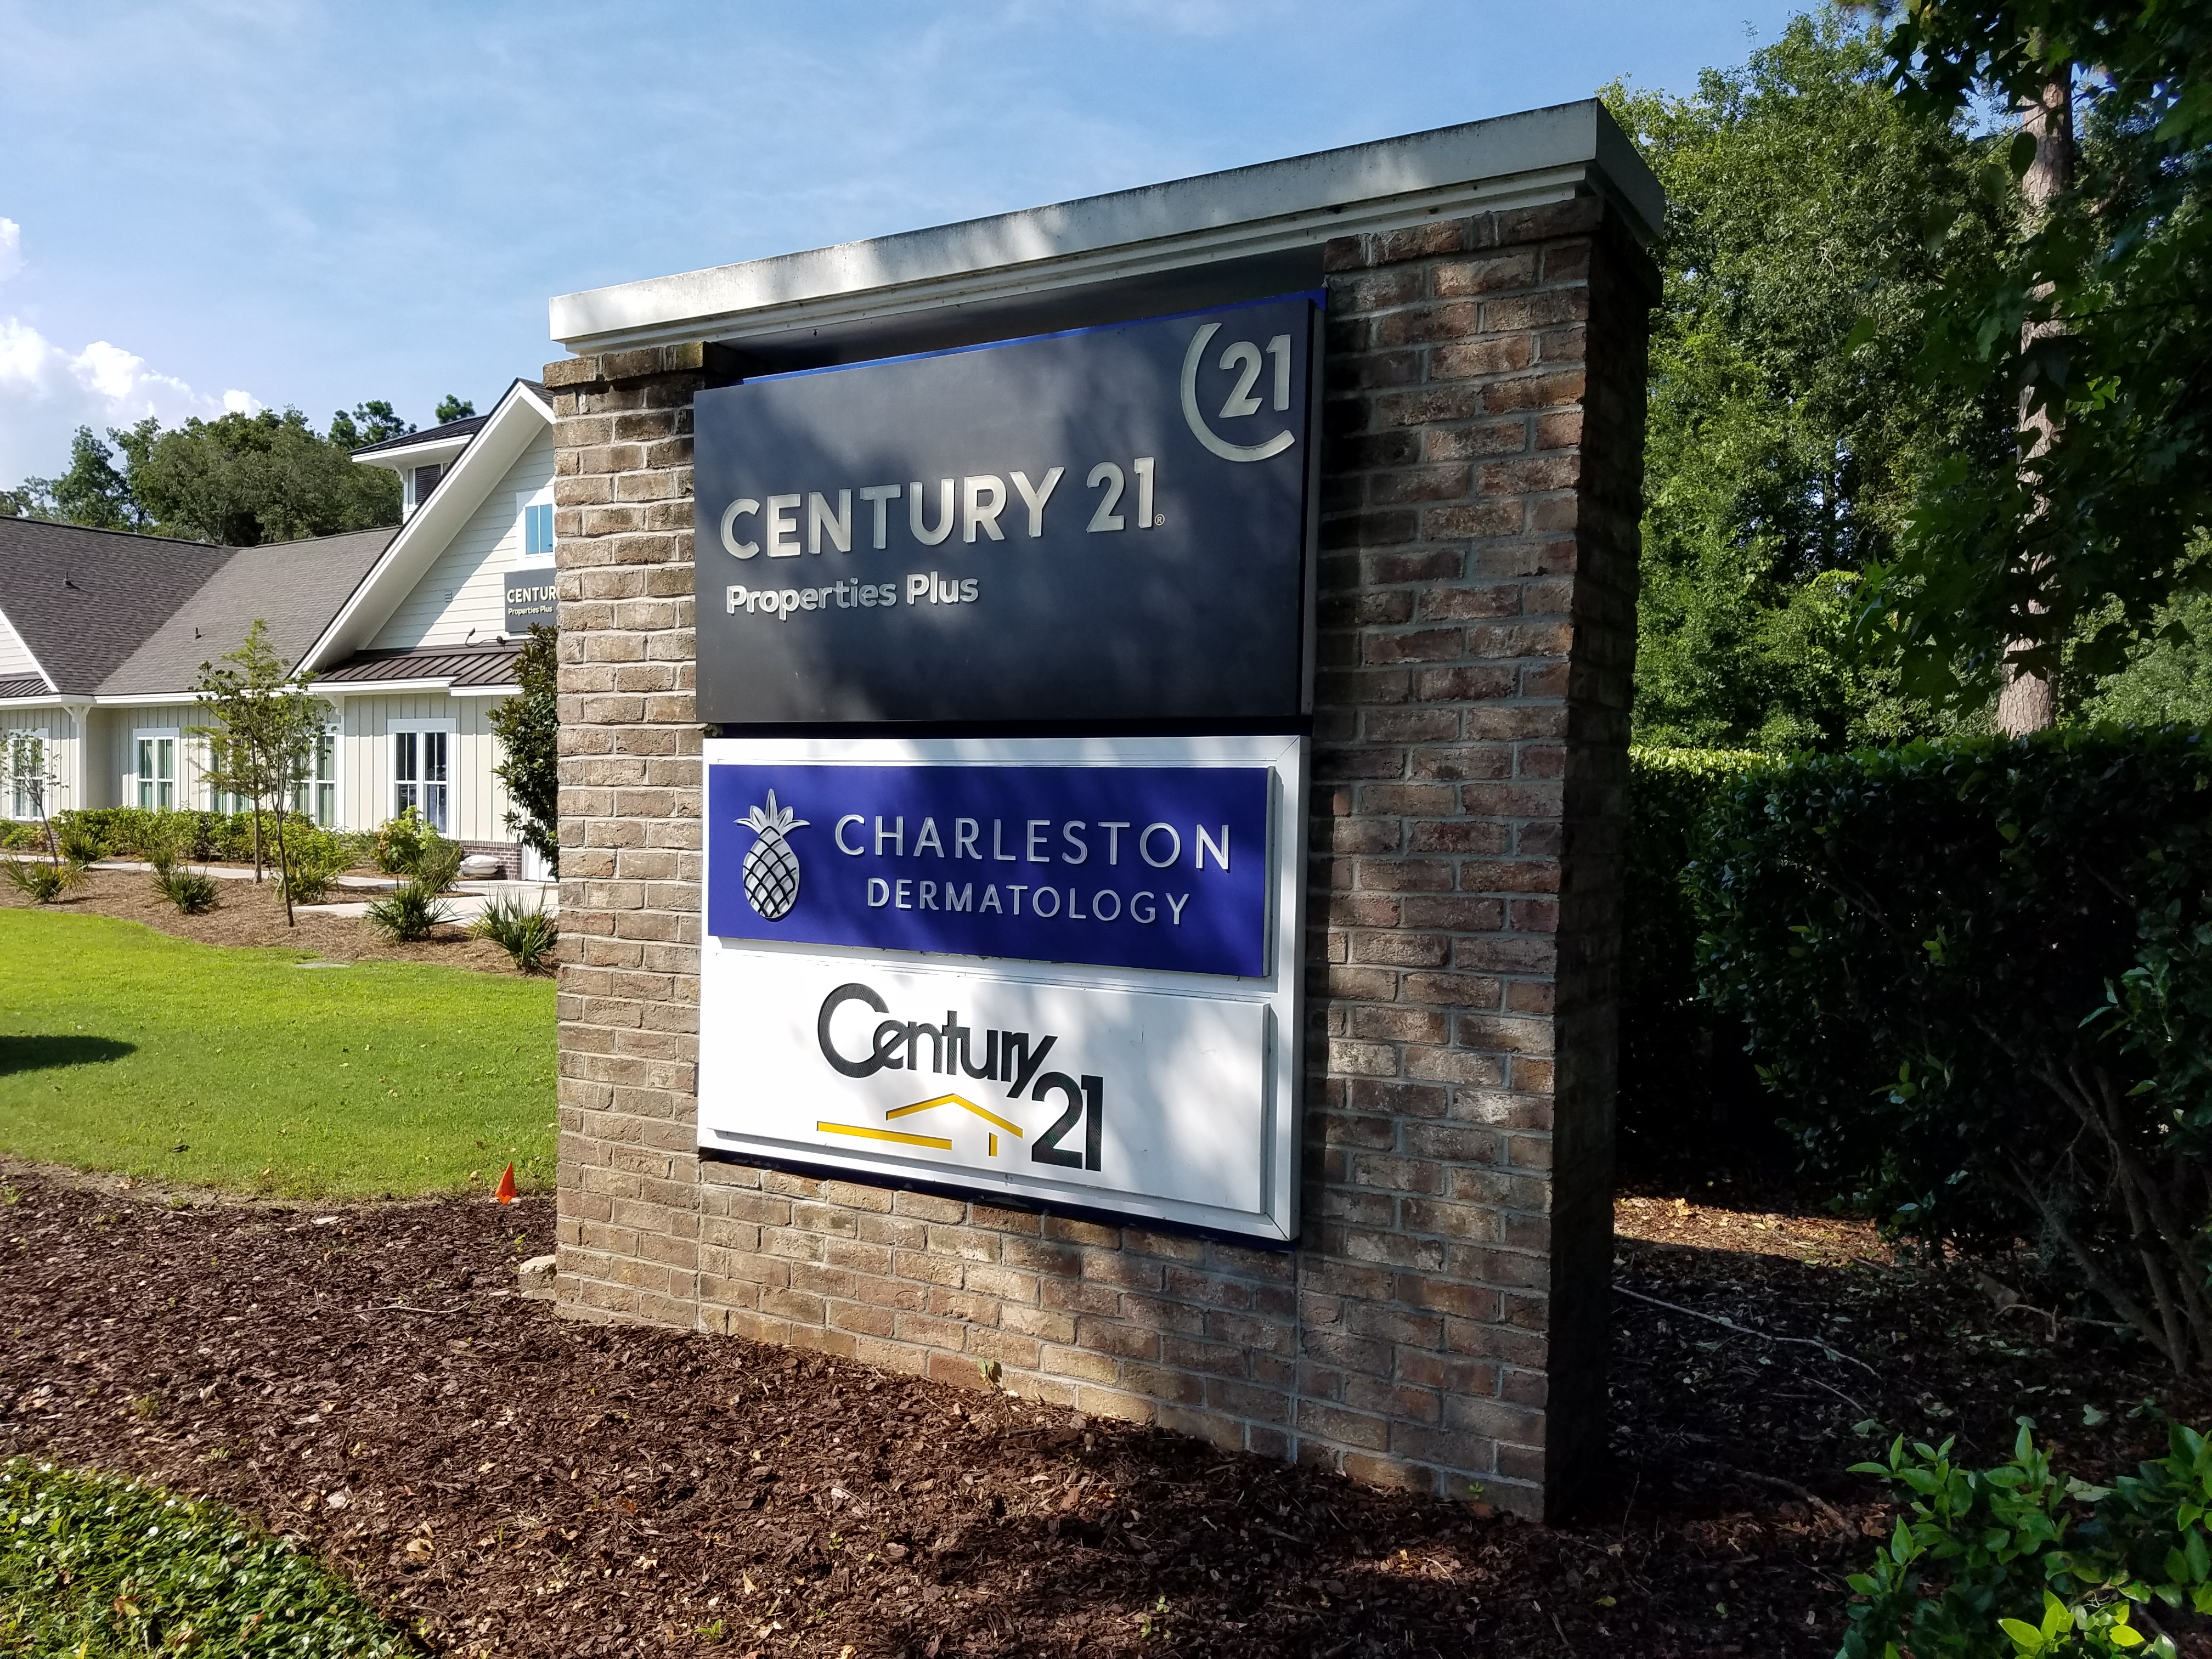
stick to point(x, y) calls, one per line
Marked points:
point(251, 913)
point(518, 1484)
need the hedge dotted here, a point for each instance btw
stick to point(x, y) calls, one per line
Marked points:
point(1978, 974)
point(1687, 1091)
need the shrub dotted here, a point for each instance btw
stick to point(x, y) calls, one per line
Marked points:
point(1935, 951)
point(80, 842)
point(18, 832)
point(527, 934)
point(317, 859)
point(192, 891)
point(41, 882)
point(400, 843)
point(438, 865)
point(407, 914)
point(1686, 1090)
point(132, 831)
point(2000, 1563)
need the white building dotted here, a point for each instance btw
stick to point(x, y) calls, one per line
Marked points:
point(412, 635)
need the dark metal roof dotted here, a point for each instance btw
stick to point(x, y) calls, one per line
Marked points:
point(83, 600)
point(491, 664)
point(22, 685)
point(464, 428)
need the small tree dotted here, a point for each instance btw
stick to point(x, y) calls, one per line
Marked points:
point(262, 742)
point(23, 767)
point(529, 730)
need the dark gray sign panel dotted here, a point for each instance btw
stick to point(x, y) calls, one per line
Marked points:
point(530, 601)
point(1109, 525)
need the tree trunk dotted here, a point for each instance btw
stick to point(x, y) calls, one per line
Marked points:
point(2028, 702)
point(284, 866)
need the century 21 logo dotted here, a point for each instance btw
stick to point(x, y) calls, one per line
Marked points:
point(1242, 358)
point(1013, 1058)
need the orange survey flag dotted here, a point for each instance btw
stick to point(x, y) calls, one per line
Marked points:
point(506, 1192)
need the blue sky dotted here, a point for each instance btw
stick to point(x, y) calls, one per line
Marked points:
point(279, 203)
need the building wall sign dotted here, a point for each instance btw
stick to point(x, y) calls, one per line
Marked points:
point(530, 601)
point(1135, 1057)
point(1133, 866)
point(1106, 525)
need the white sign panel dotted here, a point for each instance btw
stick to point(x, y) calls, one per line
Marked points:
point(1157, 1095)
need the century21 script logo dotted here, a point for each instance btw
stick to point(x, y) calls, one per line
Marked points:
point(991, 506)
point(1015, 1059)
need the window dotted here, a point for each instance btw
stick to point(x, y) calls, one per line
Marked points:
point(421, 481)
point(24, 756)
point(318, 797)
point(420, 776)
point(154, 781)
point(535, 508)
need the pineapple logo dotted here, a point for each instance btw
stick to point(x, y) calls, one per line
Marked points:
point(771, 867)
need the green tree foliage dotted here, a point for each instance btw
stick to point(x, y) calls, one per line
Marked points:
point(1779, 463)
point(94, 491)
point(451, 408)
point(237, 480)
point(529, 730)
point(2075, 552)
point(242, 479)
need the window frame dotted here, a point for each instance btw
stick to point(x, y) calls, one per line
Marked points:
point(145, 788)
point(528, 502)
point(449, 729)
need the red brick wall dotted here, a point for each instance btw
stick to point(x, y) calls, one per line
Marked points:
point(1442, 1324)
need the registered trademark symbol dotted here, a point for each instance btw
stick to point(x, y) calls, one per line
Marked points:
point(1159, 518)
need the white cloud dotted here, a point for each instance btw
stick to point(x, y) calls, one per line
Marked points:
point(47, 390)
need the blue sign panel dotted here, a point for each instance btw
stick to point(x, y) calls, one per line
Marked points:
point(1102, 526)
point(1120, 867)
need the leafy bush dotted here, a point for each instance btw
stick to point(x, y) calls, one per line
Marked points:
point(90, 1565)
point(1980, 974)
point(1685, 1090)
point(400, 843)
point(317, 859)
point(203, 837)
point(194, 892)
point(407, 914)
point(18, 832)
point(1994, 1563)
point(527, 934)
point(40, 880)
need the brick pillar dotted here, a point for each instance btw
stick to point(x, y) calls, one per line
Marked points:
point(1442, 1324)
point(1482, 483)
point(630, 846)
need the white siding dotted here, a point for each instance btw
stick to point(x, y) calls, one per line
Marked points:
point(465, 588)
point(479, 804)
point(115, 758)
point(14, 657)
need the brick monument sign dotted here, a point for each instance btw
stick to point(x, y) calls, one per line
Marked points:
point(1159, 666)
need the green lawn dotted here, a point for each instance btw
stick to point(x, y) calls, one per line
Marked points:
point(128, 1050)
point(92, 1567)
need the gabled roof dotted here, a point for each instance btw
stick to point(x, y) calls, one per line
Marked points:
point(523, 413)
point(464, 428)
point(294, 588)
point(83, 600)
